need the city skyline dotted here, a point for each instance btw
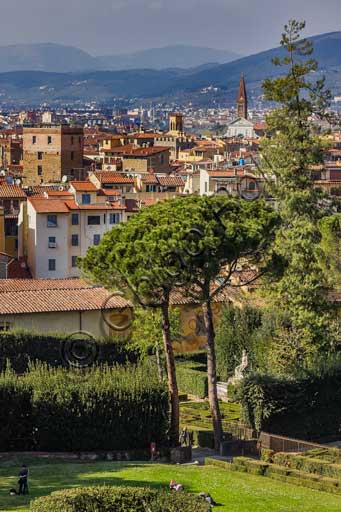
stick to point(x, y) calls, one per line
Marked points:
point(122, 26)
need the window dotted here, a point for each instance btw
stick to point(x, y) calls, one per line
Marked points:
point(34, 139)
point(71, 140)
point(114, 218)
point(75, 219)
point(86, 198)
point(97, 239)
point(49, 139)
point(40, 170)
point(52, 265)
point(205, 186)
point(74, 261)
point(52, 221)
point(94, 220)
point(74, 240)
point(40, 155)
point(72, 155)
point(52, 242)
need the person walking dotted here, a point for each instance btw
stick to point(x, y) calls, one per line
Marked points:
point(23, 480)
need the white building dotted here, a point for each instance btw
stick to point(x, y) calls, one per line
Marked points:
point(241, 128)
point(62, 225)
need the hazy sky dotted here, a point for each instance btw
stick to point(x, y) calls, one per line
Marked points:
point(116, 26)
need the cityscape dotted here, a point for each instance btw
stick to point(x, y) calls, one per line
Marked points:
point(170, 274)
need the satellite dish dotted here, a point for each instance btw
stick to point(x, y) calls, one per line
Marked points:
point(3, 173)
point(64, 179)
point(61, 189)
point(18, 182)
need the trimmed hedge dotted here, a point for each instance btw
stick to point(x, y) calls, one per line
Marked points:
point(19, 348)
point(119, 499)
point(97, 409)
point(192, 379)
point(302, 408)
point(308, 465)
point(286, 474)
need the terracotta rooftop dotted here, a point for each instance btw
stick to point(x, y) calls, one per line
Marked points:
point(83, 186)
point(112, 177)
point(20, 296)
point(42, 205)
point(12, 191)
point(171, 181)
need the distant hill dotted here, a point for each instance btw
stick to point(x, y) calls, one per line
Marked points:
point(177, 56)
point(45, 57)
point(36, 87)
point(327, 50)
point(52, 57)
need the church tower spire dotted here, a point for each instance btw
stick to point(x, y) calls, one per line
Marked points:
point(242, 99)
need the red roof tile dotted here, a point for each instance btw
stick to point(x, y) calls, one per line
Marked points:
point(42, 205)
point(12, 191)
point(20, 296)
point(83, 186)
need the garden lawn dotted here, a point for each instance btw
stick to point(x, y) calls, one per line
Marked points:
point(236, 492)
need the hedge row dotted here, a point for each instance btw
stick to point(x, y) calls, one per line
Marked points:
point(120, 499)
point(19, 348)
point(303, 408)
point(307, 464)
point(98, 409)
point(286, 474)
point(192, 379)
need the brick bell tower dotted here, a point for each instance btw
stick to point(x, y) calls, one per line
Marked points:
point(242, 99)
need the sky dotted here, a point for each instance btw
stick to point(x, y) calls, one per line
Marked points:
point(104, 27)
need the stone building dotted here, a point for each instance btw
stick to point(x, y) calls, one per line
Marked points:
point(49, 153)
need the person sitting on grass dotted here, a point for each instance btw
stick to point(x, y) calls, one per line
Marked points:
point(175, 487)
point(23, 480)
point(206, 496)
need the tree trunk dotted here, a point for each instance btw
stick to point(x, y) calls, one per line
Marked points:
point(159, 363)
point(171, 373)
point(212, 375)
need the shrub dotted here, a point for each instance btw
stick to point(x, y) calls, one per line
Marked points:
point(19, 348)
point(267, 455)
point(192, 379)
point(98, 409)
point(308, 407)
point(120, 499)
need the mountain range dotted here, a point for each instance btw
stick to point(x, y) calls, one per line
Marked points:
point(36, 87)
point(51, 57)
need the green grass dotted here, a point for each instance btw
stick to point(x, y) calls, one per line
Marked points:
point(197, 415)
point(236, 492)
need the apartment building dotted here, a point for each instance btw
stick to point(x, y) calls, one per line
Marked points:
point(51, 152)
point(62, 225)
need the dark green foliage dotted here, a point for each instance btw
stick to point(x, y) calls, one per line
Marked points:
point(119, 499)
point(290, 154)
point(203, 438)
point(200, 357)
point(308, 407)
point(98, 409)
point(234, 334)
point(19, 348)
point(192, 379)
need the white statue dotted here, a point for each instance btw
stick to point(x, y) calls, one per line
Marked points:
point(240, 369)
